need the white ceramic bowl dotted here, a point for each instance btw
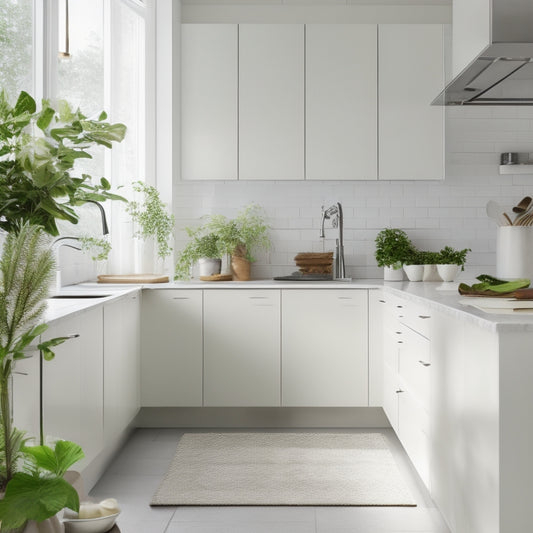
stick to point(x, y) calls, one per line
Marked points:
point(90, 525)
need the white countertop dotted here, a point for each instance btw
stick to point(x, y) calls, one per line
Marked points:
point(436, 295)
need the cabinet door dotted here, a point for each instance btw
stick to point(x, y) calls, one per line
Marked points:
point(171, 350)
point(411, 74)
point(72, 383)
point(324, 348)
point(121, 365)
point(341, 101)
point(376, 308)
point(271, 101)
point(241, 348)
point(209, 101)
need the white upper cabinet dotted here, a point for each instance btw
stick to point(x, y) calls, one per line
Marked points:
point(209, 101)
point(341, 101)
point(271, 101)
point(411, 73)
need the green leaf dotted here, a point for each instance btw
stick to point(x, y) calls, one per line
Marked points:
point(45, 118)
point(102, 116)
point(25, 104)
point(58, 460)
point(105, 184)
point(29, 336)
point(46, 345)
point(35, 498)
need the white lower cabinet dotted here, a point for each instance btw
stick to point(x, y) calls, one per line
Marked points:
point(171, 348)
point(324, 348)
point(72, 383)
point(121, 364)
point(241, 348)
point(406, 377)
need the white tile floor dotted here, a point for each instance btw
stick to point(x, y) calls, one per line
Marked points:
point(137, 470)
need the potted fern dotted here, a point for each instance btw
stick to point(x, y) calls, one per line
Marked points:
point(31, 476)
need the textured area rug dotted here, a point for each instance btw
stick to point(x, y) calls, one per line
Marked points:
point(283, 469)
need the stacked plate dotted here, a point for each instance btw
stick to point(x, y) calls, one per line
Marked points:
point(314, 262)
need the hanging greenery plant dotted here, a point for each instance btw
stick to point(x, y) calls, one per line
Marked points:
point(152, 218)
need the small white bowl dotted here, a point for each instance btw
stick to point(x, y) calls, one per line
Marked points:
point(90, 525)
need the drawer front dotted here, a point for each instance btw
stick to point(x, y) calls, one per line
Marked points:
point(414, 365)
point(413, 431)
point(418, 318)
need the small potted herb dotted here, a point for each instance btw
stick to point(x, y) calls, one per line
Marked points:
point(413, 266)
point(448, 262)
point(204, 249)
point(393, 249)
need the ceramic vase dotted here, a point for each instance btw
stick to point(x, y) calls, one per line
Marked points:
point(414, 272)
point(208, 266)
point(448, 272)
point(392, 274)
point(431, 273)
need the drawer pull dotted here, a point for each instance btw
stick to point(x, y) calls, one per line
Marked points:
point(382, 301)
point(399, 306)
point(424, 316)
point(399, 391)
point(344, 297)
point(400, 316)
point(399, 332)
point(180, 297)
point(399, 342)
point(258, 297)
point(424, 363)
point(20, 373)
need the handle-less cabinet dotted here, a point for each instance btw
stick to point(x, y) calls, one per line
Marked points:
point(324, 348)
point(209, 101)
point(411, 74)
point(341, 101)
point(72, 383)
point(171, 363)
point(271, 101)
point(121, 364)
point(241, 348)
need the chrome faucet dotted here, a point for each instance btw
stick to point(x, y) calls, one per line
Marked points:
point(334, 213)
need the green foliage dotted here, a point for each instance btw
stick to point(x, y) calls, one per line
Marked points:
point(240, 236)
point(449, 256)
point(393, 248)
point(152, 217)
point(38, 152)
point(488, 285)
point(26, 267)
point(428, 258)
point(99, 248)
point(198, 247)
point(40, 492)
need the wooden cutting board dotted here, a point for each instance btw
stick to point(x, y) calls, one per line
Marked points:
point(132, 278)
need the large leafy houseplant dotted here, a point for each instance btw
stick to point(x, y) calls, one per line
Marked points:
point(32, 477)
point(201, 246)
point(38, 152)
point(393, 248)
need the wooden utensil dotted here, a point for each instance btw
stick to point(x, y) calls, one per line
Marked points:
point(523, 205)
point(508, 221)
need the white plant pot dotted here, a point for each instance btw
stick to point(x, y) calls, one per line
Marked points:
point(431, 273)
point(414, 272)
point(208, 266)
point(448, 272)
point(391, 274)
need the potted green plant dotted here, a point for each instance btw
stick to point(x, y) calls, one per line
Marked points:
point(449, 261)
point(413, 266)
point(204, 249)
point(38, 152)
point(152, 218)
point(241, 237)
point(393, 248)
point(31, 476)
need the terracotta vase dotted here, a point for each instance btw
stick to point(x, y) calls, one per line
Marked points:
point(240, 268)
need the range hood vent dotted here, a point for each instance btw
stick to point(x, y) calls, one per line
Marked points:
point(502, 72)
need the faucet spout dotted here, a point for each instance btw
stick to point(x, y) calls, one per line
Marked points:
point(334, 212)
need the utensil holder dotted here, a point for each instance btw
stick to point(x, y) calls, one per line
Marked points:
point(514, 252)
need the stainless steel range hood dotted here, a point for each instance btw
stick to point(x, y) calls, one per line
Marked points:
point(499, 36)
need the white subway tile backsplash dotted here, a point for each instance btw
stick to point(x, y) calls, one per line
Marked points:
point(434, 214)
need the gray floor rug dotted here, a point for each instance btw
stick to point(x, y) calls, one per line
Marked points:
point(283, 469)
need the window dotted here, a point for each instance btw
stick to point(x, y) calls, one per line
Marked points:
point(16, 47)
